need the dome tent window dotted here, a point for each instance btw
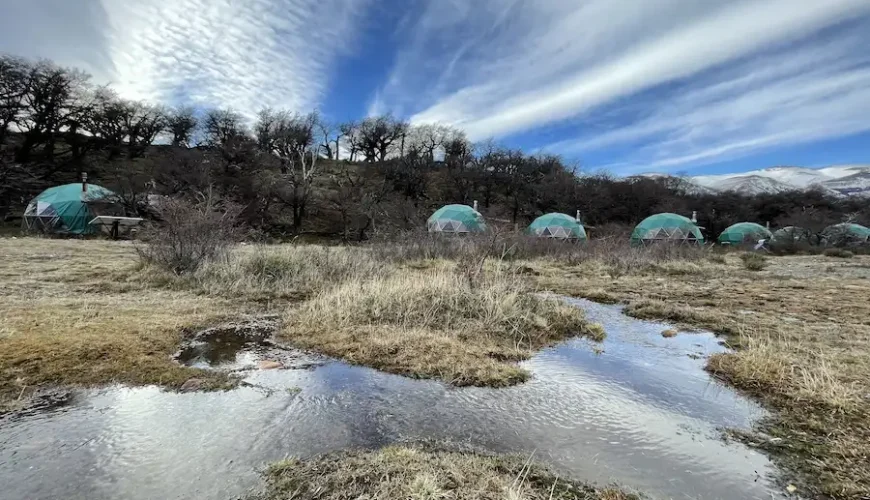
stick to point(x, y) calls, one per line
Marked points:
point(459, 219)
point(666, 227)
point(557, 226)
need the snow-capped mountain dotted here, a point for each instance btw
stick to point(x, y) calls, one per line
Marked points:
point(841, 180)
point(746, 184)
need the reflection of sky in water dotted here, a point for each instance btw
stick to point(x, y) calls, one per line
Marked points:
point(643, 414)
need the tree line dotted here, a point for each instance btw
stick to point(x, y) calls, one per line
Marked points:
point(292, 172)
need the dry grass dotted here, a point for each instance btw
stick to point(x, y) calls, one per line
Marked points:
point(841, 253)
point(417, 473)
point(87, 313)
point(753, 261)
point(259, 272)
point(435, 323)
point(801, 329)
point(69, 316)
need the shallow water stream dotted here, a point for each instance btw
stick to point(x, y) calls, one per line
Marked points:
point(642, 414)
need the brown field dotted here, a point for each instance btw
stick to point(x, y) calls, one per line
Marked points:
point(419, 473)
point(72, 312)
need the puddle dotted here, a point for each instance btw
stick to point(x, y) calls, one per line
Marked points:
point(643, 414)
point(243, 345)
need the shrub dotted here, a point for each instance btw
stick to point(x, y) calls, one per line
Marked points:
point(753, 261)
point(838, 252)
point(188, 235)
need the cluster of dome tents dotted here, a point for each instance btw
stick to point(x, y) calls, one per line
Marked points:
point(667, 227)
point(73, 208)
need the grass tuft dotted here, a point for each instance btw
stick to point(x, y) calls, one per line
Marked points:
point(753, 261)
point(436, 324)
point(417, 473)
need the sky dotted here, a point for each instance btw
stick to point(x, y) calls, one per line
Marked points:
point(628, 86)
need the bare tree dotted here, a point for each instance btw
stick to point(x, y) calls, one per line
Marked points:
point(106, 120)
point(143, 123)
point(264, 129)
point(380, 135)
point(51, 102)
point(460, 162)
point(351, 133)
point(330, 137)
point(429, 139)
point(291, 137)
point(356, 195)
point(181, 122)
point(14, 84)
point(222, 126)
point(120, 122)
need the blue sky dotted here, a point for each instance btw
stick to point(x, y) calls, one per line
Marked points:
point(631, 86)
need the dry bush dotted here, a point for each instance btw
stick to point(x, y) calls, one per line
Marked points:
point(838, 252)
point(753, 261)
point(189, 235)
point(418, 473)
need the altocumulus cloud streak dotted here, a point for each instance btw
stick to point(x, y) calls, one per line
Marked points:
point(238, 54)
point(508, 66)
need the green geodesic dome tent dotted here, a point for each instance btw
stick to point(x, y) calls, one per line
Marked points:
point(666, 227)
point(456, 219)
point(744, 233)
point(845, 234)
point(559, 226)
point(67, 209)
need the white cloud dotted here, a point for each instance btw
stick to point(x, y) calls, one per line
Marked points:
point(226, 53)
point(508, 67)
point(787, 98)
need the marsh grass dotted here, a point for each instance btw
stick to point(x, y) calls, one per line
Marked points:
point(436, 324)
point(282, 271)
point(822, 424)
point(424, 473)
point(801, 344)
point(89, 312)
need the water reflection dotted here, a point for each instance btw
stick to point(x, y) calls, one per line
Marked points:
point(642, 413)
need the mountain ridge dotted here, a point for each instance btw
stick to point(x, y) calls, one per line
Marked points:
point(836, 180)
